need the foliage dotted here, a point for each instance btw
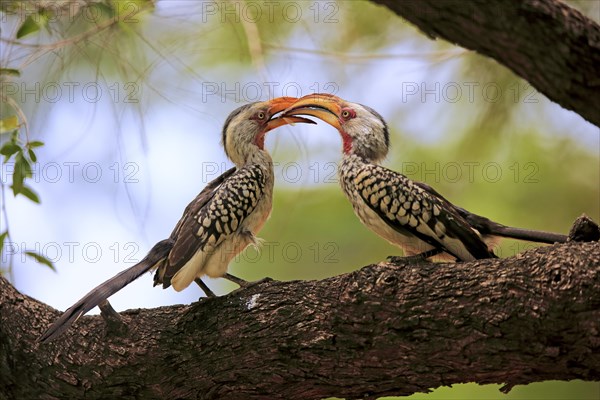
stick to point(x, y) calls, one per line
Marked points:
point(23, 155)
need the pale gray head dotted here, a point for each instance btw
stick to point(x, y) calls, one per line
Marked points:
point(245, 128)
point(364, 132)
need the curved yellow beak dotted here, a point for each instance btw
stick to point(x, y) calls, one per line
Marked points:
point(326, 107)
point(278, 105)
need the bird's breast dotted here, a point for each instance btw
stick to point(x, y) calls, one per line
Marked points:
point(262, 211)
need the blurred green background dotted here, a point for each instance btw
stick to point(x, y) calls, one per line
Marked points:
point(170, 72)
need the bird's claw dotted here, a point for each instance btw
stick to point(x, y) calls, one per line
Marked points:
point(243, 284)
point(260, 281)
point(238, 281)
point(394, 259)
point(115, 325)
point(413, 259)
point(407, 260)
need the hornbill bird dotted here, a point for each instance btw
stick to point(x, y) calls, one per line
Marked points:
point(218, 224)
point(407, 213)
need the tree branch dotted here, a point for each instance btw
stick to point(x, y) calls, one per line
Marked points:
point(549, 44)
point(383, 330)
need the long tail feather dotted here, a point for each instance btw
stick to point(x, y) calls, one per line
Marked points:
point(485, 226)
point(106, 289)
point(528, 234)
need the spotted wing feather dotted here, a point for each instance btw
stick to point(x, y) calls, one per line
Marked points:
point(409, 208)
point(214, 217)
point(176, 236)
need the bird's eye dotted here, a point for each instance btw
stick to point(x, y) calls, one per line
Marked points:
point(348, 114)
point(260, 115)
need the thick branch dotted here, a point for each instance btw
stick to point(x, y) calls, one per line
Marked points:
point(383, 330)
point(551, 45)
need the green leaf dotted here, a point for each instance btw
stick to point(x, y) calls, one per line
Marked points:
point(3, 237)
point(9, 149)
point(30, 194)
point(10, 72)
point(41, 259)
point(18, 176)
point(28, 26)
point(17, 185)
point(24, 164)
point(32, 155)
point(9, 124)
point(34, 144)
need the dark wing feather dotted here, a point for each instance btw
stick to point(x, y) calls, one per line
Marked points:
point(407, 192)
point(202, 224)
point(177, 236)
point(486, 226)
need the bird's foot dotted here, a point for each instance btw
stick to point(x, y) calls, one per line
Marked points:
point(414, 259)
point(395, 259)
point(205, 289)
point(258, 282)
point(238, 281)
point(114, 322)
point(243, 283)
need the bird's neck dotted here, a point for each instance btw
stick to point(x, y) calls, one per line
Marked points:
point(351, 163)
point(346, 142)
point(353, 158)
point(255, 157)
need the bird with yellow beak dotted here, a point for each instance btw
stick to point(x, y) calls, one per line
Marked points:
point(407, 213)
point(218, 224)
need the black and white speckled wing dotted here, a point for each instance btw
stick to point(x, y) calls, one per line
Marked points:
point(410, 209)
point(491, 229)
point(213, 217)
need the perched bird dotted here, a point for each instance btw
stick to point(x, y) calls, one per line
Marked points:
point(218, 224)
point(408, 214)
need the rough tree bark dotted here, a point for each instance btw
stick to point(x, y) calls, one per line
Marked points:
point(549, 44)
point(384, 330)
